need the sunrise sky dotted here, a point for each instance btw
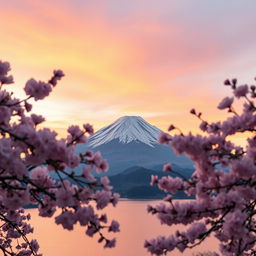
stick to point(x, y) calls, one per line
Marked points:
point(155, 59)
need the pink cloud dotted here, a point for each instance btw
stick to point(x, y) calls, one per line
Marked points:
point(144, 56)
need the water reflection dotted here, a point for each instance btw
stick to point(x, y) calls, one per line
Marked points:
point(136, 226)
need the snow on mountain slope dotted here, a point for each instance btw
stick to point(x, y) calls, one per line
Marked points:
point(126, 129)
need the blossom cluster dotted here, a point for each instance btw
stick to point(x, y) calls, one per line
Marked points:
point(223, 182)
point(38, 168)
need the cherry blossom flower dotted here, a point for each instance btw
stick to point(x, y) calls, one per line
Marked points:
point(167, 167)
point(226, 103)
point(241, 91)
point(114, 226)
point(37, 90)
point(164, 138)
point(223, 184)
point(38, 168)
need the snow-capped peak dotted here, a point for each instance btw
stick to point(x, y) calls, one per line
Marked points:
point(126, 129)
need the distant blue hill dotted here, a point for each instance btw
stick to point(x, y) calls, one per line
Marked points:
point(134, 183)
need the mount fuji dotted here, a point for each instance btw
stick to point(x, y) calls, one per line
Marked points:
point(126, 129)
point(131, 141)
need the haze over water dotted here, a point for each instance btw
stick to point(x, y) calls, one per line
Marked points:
point(136, 226)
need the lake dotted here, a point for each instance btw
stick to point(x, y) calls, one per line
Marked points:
point(136, 226)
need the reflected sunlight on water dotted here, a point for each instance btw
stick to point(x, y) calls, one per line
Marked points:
point(136, 226)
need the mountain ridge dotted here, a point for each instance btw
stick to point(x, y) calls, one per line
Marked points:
point(130, 141)
point(134, 183)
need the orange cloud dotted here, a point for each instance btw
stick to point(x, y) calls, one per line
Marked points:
point(135, 63)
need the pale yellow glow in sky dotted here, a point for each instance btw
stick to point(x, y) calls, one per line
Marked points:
point(155, 60)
